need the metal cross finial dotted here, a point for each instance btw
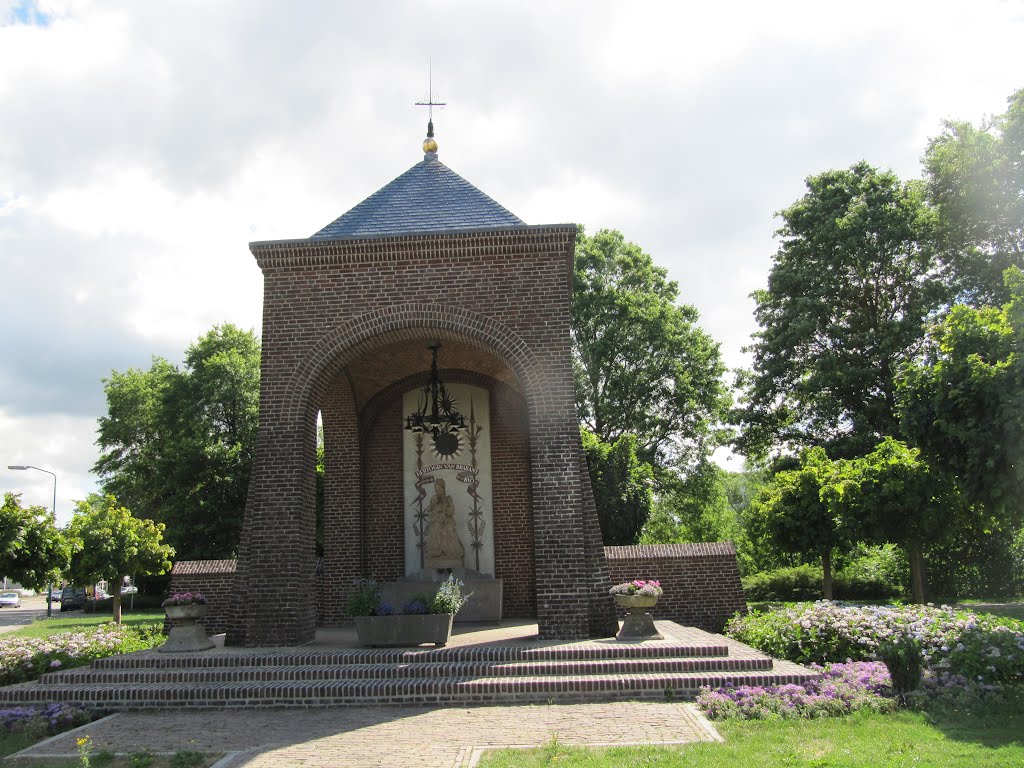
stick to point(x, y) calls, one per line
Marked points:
point(430, 103)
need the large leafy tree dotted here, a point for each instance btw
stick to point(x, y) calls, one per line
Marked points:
point(32, 551)
point(109, 544)
point(642, 364)
point(793, 512)
point(892, 495)
point(976, 181)
point(178, 443)
point(622, 487)
point(849, 289)
point(963, 404)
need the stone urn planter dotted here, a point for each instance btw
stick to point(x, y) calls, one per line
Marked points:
point(638, 624)
point(186, 634)
point(406, 630)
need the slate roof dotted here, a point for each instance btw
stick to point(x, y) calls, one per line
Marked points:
point(429, 197)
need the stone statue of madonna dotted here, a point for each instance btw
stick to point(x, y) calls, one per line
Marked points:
point(443, 547)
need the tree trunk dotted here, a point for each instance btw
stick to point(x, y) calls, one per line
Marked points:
point(826, 567)
point(917, 580)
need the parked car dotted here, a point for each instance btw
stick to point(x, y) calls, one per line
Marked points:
point(72, 599)
point(10, 599)
point(55, 595)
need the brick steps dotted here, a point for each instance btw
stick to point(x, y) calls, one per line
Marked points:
point(484, 690)
point(467, 674)
point(444, 670)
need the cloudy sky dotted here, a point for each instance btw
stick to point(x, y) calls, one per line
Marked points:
point(143, 145)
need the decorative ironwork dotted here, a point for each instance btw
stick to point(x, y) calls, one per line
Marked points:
point(476, 523)
point(437, 414)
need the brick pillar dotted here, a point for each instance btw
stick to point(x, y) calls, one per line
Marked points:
point(343, 520)
point(277, 556)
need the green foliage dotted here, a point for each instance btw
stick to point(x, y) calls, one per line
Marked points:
point(32, 551)
point(694, 508)
point(622, 486)
point(980, 647)
point(850, 286)
point(892, 495)
point(803, 582)
point(964, 405)
point(642, 365)
point(902, 656)
point(363, 599)
point(792, 511)
point(27, 658)
point(449, 597)
point(178, 444)
point(109, 543)
point(976, 182)
point(799, 582)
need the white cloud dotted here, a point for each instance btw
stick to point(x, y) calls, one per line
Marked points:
point(143, 145)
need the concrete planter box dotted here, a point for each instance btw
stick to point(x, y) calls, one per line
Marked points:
point(433, 628)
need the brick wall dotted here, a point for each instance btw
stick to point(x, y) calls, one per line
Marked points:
point(329, 303)
point(701, 581)
point(216, 580)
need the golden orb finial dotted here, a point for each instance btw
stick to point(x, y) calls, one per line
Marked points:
point(429, 145)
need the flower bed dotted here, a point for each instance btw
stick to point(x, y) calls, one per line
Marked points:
point(26, 658)
point(985, 649)
point(49, 719)
point(841, 689)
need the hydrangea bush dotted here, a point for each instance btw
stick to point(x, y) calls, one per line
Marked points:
point(841, 689)
point(984, 649)
point(26, 658)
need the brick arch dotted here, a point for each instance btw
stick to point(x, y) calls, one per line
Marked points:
point(366, 332)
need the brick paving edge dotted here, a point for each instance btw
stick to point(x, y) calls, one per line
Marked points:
point(61, 735)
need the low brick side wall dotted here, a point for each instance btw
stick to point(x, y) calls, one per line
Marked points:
point(701, 581)
point(216, 580)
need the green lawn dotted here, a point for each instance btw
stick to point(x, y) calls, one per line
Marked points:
point(859, 741)
point(74, 621)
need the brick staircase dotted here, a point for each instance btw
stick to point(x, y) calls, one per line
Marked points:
point(513, 670)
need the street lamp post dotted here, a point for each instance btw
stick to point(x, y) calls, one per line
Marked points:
point(49, 585)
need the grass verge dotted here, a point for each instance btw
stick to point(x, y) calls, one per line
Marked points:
point(865, 740)
point(76, 621)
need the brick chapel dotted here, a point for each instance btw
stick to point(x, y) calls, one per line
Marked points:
point(427, 274)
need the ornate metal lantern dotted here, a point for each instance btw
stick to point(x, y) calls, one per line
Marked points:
point(437, 413)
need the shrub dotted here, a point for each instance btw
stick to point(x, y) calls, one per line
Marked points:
point(801, 582)
point(841, 689)
point(49, 719)
point(902, 658)
point(27, 658)
point(987, 649)
point(861, 580)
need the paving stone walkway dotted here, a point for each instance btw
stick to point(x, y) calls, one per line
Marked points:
point(387, 737)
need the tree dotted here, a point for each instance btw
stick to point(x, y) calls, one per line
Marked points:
point(178, 444)
point(642, 365)
point(32, 551)
point(692, 509)
point(963, 402)
point(849, 289)
point(110, 544)
point(793, 512)
point(976, 181)
point(622, 487)
point(892, 495)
